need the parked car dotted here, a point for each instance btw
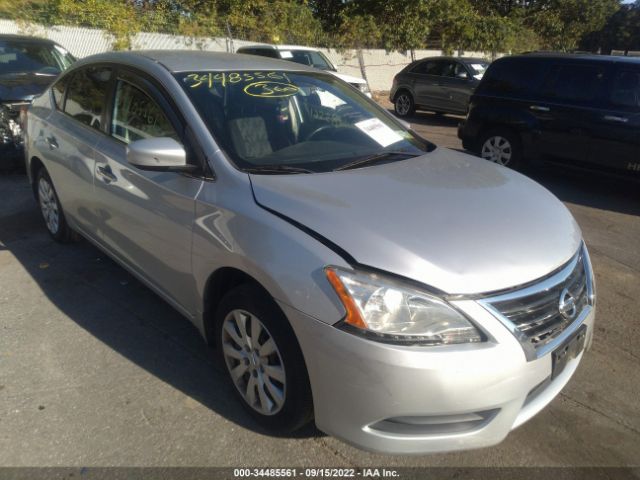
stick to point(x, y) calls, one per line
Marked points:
point(438, 84)
point(27, 66)
point(309, 56)
point(573, 110)
point(289, 219)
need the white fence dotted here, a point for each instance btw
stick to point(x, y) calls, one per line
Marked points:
point(380, 66)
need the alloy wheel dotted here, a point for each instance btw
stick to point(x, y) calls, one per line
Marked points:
point(497, 149)
point(48, 205)
point(254, 362)
point(403, 104)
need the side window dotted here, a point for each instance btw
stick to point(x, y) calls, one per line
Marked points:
point(521, 77)
point(448, 69)
point(574, 83)
point(86, 95)
point(460, 71)
point(428, 68)
point(58, 91)
point(136, 116)
point(626, 89)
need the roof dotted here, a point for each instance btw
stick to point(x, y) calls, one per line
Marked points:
point(25, 38)
point(578, 56)
point(280, 47)
point(193, 60)
point(459, 59)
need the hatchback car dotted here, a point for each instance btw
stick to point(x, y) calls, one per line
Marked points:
point(566, 110)
point(309, 56)
point(28, 65)
point(344, 268)
point(439, 84)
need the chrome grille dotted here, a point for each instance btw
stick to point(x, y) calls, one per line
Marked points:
point(541, 313)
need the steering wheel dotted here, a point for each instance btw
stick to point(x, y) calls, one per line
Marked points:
point(318, 130)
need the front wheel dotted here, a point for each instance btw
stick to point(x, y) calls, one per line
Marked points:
point(404, 105)
point(501, 146)
point(263, 359)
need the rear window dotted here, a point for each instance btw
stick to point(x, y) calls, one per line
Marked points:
point(574, 83)
point(515, 76)
point(86, 95)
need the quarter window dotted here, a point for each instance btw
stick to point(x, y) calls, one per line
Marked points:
point(58, 91)
point(136, 116)
point(86, 95)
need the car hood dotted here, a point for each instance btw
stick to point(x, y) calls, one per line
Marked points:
point(23, 86)
point(348, 78)
point(446, 219)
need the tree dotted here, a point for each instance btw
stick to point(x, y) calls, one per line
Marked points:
point(621, 32)
point(561, 24)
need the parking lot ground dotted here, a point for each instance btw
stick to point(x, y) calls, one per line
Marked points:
point(95, 370)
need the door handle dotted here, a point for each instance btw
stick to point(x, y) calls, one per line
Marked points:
point(539, 108)
point(107, 174)
point(51, 141)
point(613, 118)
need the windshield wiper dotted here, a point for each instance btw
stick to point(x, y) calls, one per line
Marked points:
point(277, 169)
point(375, 158)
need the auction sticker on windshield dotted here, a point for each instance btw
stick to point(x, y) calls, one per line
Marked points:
point(379, 132)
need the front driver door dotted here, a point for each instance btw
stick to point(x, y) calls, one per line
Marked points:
point(146, 217)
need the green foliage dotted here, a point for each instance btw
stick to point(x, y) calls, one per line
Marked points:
point(561, 24)
point(452, 25)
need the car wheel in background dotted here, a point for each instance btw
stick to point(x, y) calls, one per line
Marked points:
point(501, 146)
point(404, 105)
point(263, 359)
point(51, 210)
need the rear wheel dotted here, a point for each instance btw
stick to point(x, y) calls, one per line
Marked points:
point(404, 105)
point(263, 360)
point(501, 146)
point(51, 210)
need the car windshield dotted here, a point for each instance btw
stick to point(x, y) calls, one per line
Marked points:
point(478, 69)
point(301, 121)
point(311, 58)
point(18, 57)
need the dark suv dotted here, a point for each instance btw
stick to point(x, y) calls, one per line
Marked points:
point(576, 110)
point(27, 66)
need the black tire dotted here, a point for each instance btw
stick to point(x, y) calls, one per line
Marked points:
point(297, 408)
point(403, 104)
point(494, 144)
point(49, 203)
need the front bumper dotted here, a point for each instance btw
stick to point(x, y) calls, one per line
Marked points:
point(403, 400)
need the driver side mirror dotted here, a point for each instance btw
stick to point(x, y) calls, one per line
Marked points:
point(159, 154)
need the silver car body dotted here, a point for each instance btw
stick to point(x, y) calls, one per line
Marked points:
point(475, 233)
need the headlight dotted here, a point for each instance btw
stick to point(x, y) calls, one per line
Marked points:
point(388, 311)
point(363, 87)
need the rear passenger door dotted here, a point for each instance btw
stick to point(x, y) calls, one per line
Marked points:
point(615, 135)
point(74, 129)
point(426, 83)
point(571, 94)
point(145, 217)
point(456, 85)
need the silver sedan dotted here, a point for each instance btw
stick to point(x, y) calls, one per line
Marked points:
point(409, 298)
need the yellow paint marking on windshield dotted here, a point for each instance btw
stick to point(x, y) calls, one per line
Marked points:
point(230, 78)
point(269, 89)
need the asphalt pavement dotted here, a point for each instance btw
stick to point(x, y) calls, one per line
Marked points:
point(96, 370)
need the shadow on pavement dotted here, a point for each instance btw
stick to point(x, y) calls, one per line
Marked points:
point(106, 301)
point(590, 189)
